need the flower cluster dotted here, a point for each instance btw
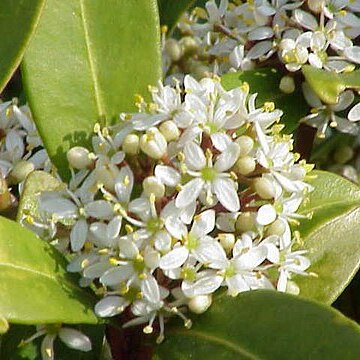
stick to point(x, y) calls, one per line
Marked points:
point(21, 149)
point(286, 34)
point(193, 193)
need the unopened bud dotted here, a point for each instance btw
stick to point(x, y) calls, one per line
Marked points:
point(153, 143)
point(106, 175)
point(173, 49)
point(227, 241)
point(287, 84)
point(246, 144)
point(343, 154)
point(292, 288)
point(130, 144)
point(276, 228)
point(245, 222)
point(152, 185)
point(189, 45)
point(20, 171)
point(170, 131)
point(264, 188)
point(316, 6)
point(245, 165)
point(5, 196)
point(78, 157)
point(200, 303)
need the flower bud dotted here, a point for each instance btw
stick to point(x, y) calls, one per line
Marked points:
point(20, 171)
point(106, 175)
point(227, 241)
point(153, 143)
point(245, 165)
point(343, 154)
point(200, 303)
point(78, 157)
point(170, 131)
point(130, 144)
point(264, 188)
point(245, 222)
point(316, 6)
point(173, 49)
point(292, 288)
point(287, 84)
point(152, 185)
point(276, 228)
point(189, 45)
point(5, 196)
point(246, 144)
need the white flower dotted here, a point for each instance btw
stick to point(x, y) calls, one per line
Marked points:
point(197, 242)
point(210, 177)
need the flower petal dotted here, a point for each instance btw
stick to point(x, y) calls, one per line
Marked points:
point(75, 339)
point(189, 193)
point(224, 190)
point(174, 259)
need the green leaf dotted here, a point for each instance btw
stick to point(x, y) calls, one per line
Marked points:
point(35, 183)
point(170, 11)
point(10, 349)
point(264, 325)
point(328, 85)
point(18, 20)
point(34, 283)
point(266, 82)
point(331, 236)
point(86, 62)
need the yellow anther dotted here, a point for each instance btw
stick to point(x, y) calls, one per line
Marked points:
point(103, 251)
point(124, 289)
point(113, 261)
point(148, 329)
point(129, 229)
point(97, 128)
point(126, 181)
point(142, 276)
point(245, 87)
point(9, 111)
point(139, 295)
point(164, 29)
point(85, 263)
point(269, 106)
point(29, 219)
point(181, 156)
point(88, 246)
point(233, 176)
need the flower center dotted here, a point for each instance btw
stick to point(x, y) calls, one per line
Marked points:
point(191, 242)
point(208, 173)
point(154, 225)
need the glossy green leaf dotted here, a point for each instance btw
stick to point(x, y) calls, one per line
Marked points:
point(266, 82)
point(328, 85)
point(84, 65)
point(34, 283)
point(10, 349)
point(35, 183)
point(264, 325)
point(18, 20)
point(170, 11)
point(331, 236)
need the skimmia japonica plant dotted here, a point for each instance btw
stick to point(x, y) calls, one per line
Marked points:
point(176, 213)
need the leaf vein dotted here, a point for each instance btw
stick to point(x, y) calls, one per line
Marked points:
point(97, 92)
